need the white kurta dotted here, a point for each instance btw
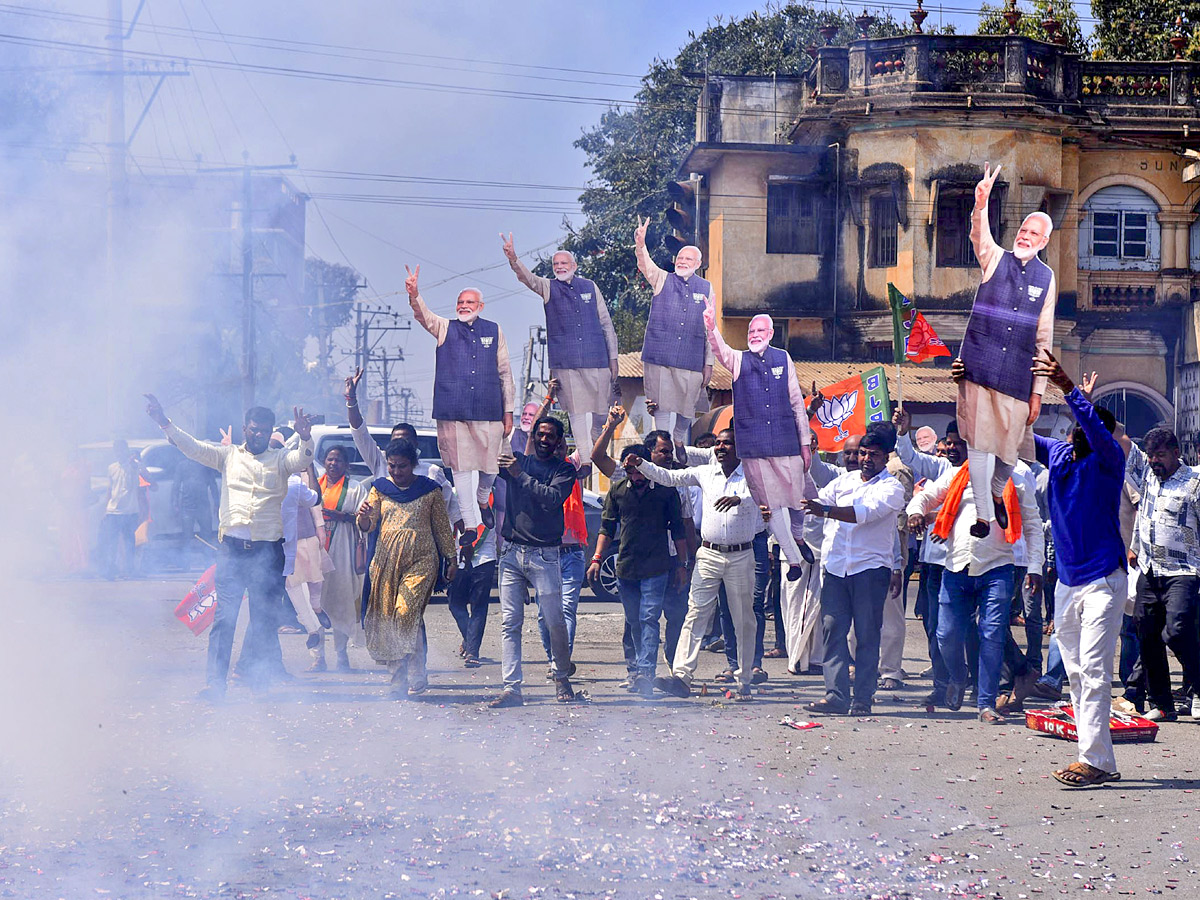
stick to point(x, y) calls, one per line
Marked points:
point(470, 446)
point(674, 390)
point(341, 595)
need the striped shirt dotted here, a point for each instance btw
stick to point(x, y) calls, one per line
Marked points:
point(1167, 531)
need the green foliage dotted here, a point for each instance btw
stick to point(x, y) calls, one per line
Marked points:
point(991, 21)
point(636, 150)
point(1142, 30)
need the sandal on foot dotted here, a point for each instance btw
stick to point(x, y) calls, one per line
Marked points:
point(1082, 775)
point(989, 716)
point(563, 691)
point(506, 699)
point(890, 684)
point(726, 677)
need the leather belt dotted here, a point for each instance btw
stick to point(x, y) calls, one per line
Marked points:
point(726, 548)
point(245, 545)
point(571, 548)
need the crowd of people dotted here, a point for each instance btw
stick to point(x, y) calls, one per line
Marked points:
point(713, 538)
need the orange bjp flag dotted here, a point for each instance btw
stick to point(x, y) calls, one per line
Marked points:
point(850, 405)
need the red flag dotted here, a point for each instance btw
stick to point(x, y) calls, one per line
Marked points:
point(923, 342)
point(199, 607)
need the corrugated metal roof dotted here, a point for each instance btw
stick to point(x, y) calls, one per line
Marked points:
point(922, 384)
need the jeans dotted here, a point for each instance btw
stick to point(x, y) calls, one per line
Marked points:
point(775, 603)
point(762, 578)
point(258, 573)
point(114, 531)
point(933, 589)
point(855, 599)
point(570, 563)
point(1031, 604)
point(1056, 672)
point(1167, 617)
point(960, 594)
point(675, 605)
point(522, 568)
point(468, 600)
point(1130, 664)
point(643, 602)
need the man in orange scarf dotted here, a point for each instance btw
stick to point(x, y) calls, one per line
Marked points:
point(979, 572)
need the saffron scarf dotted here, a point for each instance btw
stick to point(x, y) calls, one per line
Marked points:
point(949, 511)
point(332, 497)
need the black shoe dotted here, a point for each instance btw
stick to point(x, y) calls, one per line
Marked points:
point(860, 710)
point(563, 691)
point(806, 553)
point(507, 698)
point(314, 641)
point(758, 676)
point(471, 662)
point(644, 687)
point(980, 530)
point(794, 571)
point(323, 618)
point(672, 685)
point(213, 694)
point(488, 517)
point(826, 707)
point(466, 550)
point(954, 697)
point(1001, 512)
point(934, 698)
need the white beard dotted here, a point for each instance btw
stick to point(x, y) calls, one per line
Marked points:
point(684, 272)
point(467, 318)
point(564, 276)
point(757, 346)
point(1023, 254)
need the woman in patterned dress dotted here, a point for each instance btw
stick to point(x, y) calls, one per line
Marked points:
point(408, 528)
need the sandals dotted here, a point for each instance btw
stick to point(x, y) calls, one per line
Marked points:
point(726, 677)
point(563, 691)
point(989, 716)
point(775, 653)
point(890, 684)
point(1082, 775)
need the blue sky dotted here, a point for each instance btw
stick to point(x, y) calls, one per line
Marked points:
point(460, 117)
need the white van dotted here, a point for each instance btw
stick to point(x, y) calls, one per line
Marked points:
point(326, 436)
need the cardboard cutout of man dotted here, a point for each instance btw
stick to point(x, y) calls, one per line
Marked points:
point(473, 397)
point(676, 358)
point(770, 424)
point(580, 341)
point(1012, 321)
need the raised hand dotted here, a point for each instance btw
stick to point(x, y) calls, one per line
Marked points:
point(155, 411)
point(651, 407)
point(226, 435)
point(902, 420)
point(631, 462)
point(553, 386)
point(303, 423)
point(1049, 368)
point(616, 415)
point(352, 386)
point(507, 245)
point(410, 283)
point(983, 190)
point(958, 371)
point(639, 234)
point(710, 314)
point(1089, 383)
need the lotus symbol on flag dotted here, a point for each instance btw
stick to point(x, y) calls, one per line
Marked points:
point(836, 410)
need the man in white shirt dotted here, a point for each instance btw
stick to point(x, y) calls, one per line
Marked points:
point(858, 550)
point(726, 556)
point(979, 572)
point(121, 512)
point(254, 481)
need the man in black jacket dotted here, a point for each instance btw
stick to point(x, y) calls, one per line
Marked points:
point(537, 488)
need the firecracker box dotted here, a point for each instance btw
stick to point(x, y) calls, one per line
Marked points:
point(1060, 722)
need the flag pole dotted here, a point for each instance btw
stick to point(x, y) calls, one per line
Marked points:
point(899, 387)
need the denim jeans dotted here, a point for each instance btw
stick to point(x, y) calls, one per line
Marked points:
point(258, 573)
point(854, 600)
point(522, 568)
point(1056, 672)
point(570, 563)
point(933, 588)
point(1130, 664)
point(643, 602)
point(960, 594)
point(116, 530)
point(468, 600)
point(1031, 606)
point(675, 604)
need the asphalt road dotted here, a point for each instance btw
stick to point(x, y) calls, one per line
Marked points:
point(115, 782)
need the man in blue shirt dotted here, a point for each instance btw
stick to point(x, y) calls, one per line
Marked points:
point(1084, 496)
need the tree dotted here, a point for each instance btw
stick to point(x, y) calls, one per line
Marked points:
point(991, 21)
point(1142, 30)
point(635, 151)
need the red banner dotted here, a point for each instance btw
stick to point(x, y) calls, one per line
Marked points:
point(198, 608)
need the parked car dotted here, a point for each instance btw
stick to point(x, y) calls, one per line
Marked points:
point(326, 436)
point(605, 587)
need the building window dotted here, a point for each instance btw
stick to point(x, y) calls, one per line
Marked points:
point(953, 220)
point(1119, 230)
point(884, 231)
point(794, 219)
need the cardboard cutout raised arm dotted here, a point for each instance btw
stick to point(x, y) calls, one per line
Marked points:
point(676, 358)
point(1012, 320)
point(580, 340)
